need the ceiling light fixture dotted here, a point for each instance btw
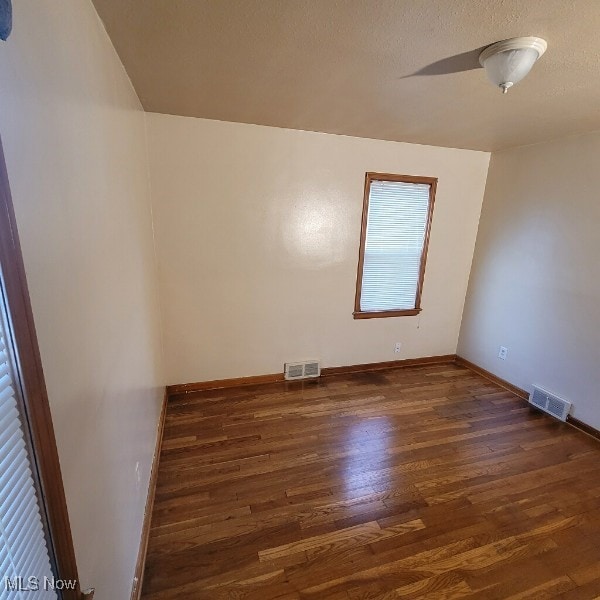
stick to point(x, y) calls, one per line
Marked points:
point(507, 62)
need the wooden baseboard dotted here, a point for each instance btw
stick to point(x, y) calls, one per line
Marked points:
point(497, 380)
point(138, 579)
point(185, 388)
point(523, 394)
point(390, 364)
point(199, 386)
point(584, 427)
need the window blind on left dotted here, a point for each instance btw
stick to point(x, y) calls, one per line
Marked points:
point(25, 564)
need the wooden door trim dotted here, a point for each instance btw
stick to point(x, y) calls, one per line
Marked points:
point(34, 389)
point(138, 579)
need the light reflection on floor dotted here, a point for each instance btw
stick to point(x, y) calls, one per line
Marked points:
point(367, 444)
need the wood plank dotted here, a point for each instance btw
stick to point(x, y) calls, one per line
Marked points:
point(359, 535)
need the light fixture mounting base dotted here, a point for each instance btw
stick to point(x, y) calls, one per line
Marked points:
point(517, 43)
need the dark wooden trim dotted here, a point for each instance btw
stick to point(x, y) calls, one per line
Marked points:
point(34, 389)
point(402, 178)
point(138, 580)
point(574, 422)
point(174, 390)
point(432, 191)
point(493, 378)
point(390, 364)
point(409, 312)
point(361, 247)
point(583, 427)
point(198, 386)
point(370, 177)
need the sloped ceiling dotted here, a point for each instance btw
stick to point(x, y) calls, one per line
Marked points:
point(386, 69)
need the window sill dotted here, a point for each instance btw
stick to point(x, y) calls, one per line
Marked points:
point(409, 312)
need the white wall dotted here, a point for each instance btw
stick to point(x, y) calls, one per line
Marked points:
point(74, 138)
point(258, 231)
point(535, 284)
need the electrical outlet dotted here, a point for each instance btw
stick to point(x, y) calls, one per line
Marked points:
point(398, 347)
point(503, 353)
point(138, 474)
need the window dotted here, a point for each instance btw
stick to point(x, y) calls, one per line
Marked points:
point(397, 211)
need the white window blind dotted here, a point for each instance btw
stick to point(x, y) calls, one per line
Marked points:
point(396, 226)
point(23, 549)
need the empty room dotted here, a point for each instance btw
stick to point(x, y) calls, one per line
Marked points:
point(300, 299)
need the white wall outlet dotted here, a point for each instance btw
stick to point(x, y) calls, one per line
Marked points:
point(503, 352)
point(398, 347)
point(138, 475)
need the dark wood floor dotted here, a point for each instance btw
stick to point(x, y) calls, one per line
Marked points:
point(424, 482)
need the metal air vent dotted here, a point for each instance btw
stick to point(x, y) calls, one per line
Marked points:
point(302, 370)
point(553, 405)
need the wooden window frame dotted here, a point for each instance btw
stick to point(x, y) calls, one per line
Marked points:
point(35, 397)
point(408, 312)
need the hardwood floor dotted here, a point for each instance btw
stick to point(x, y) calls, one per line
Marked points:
point(426, 482)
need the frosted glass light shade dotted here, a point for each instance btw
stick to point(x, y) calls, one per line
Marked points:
point(507, 68)
point(507, 62)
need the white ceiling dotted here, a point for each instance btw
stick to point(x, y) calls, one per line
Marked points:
point(368, 68)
